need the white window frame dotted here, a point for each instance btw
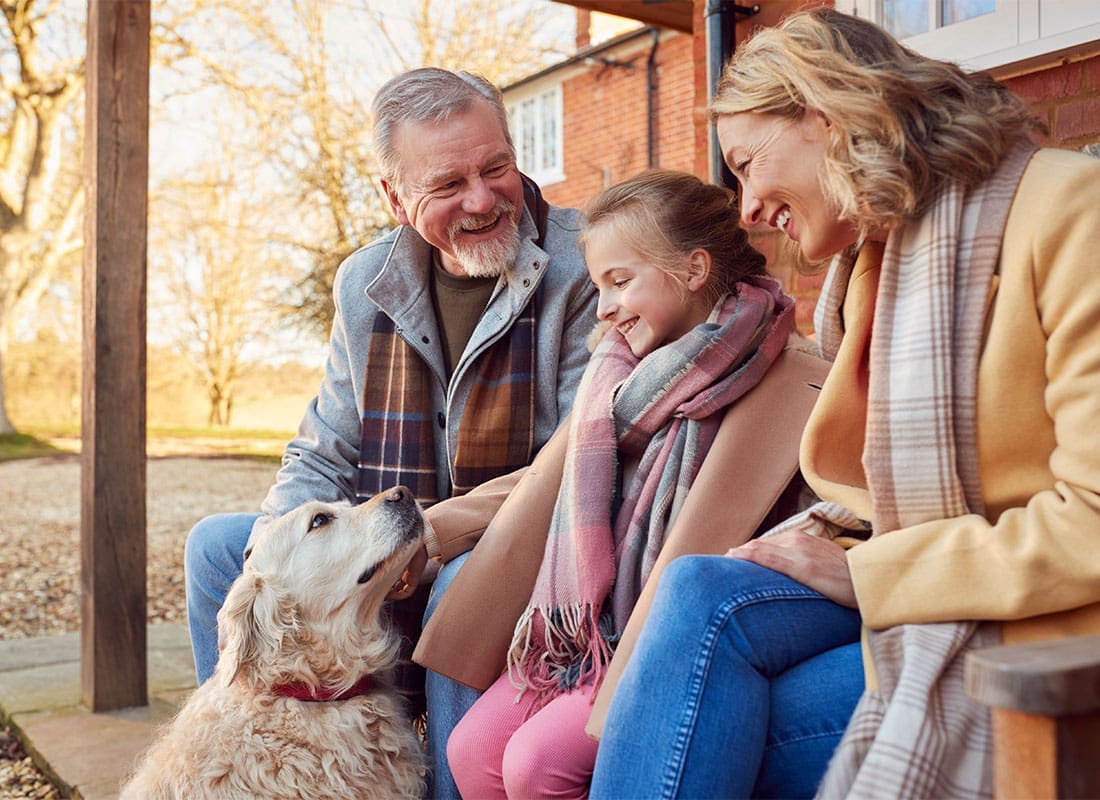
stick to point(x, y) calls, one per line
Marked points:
point(1019, 30)
point(520, 120)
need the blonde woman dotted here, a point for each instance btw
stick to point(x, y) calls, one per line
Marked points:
point(954, 444)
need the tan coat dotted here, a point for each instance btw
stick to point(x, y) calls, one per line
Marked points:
point(751, 463)
point(1033, 561)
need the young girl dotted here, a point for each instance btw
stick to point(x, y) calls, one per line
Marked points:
point(689, 325)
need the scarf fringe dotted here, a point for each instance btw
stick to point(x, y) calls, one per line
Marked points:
point(555, 650)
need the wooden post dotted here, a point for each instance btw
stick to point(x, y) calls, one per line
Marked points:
point(1045, 698)
point(112, 519)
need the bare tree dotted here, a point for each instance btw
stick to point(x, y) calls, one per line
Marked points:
point(41, 199)
point(498, 39)
point(310, 91)
point(219, 283)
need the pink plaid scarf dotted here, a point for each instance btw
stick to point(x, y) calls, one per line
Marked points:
point(665, 410)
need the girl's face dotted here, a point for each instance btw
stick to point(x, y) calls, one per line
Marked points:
point(777, 163)
point(649, 306)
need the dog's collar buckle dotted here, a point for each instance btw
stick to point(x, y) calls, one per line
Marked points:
point(322, 694)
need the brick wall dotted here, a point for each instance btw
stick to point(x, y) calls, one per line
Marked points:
point(1067, 97)
point(604, 108)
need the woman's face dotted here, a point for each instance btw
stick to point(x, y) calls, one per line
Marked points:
point(777, 162)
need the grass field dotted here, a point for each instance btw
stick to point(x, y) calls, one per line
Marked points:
point(239, 442)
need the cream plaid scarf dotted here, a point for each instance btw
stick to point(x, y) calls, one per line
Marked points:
point(919, 735)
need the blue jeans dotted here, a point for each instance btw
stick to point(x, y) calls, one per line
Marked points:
point(447, 701)
point(214, 557)
point(741, 685)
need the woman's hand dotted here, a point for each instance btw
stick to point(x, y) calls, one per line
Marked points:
point(817, 562)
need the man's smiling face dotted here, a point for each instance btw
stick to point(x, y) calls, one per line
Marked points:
point(461, 190)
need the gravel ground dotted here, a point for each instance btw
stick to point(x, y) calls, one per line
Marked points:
point(19, 777)
point(40, 553)
point(40, 533)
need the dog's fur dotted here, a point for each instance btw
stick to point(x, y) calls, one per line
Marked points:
point(300, 613)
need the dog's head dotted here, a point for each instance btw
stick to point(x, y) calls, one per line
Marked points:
point(307, 606)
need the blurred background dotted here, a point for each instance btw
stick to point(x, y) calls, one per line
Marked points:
point(261, 181)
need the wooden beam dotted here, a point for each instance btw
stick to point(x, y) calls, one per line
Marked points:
point(1045, 698)
point(112, 519)
point(673, 14)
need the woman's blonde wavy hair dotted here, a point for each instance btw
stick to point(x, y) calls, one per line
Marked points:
point(901, 125)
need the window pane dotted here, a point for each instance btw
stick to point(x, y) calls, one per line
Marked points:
point(529, 118)
point(906, 17)
point(959, 10)
point(549, 131)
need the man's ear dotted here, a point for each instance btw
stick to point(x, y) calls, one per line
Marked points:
point(698, 269)
point(395, 203)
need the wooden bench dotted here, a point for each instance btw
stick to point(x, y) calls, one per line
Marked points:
point(1045, 698)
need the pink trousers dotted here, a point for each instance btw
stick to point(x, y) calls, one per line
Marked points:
point(495, 752)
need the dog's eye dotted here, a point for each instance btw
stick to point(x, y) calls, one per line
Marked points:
point(319, 520)
point(368, 573)
point(247, 553)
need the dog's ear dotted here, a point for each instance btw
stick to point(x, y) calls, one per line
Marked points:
point(251, 624)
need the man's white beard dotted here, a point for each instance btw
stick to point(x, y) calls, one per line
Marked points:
point(490, 258)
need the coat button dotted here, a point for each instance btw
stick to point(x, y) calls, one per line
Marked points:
point(526, 282)
point(425, 339)
point(442, 420)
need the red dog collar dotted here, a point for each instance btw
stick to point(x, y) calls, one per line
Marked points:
point(303, 691)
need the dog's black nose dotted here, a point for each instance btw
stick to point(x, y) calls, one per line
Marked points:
point(396, 494)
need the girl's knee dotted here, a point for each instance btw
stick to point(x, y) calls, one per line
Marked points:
point(523, 774)
point(462, 745)
point(469, 762)
point(540, 772)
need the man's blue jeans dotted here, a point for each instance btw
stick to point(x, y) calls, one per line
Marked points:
point(741, 685)
point(214, 557)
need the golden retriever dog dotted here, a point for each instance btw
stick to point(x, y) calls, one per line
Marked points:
point(301, 703)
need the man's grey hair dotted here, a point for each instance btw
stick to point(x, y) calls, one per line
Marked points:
point(427, 94)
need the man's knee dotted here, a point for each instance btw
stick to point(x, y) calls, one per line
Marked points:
point(218, 540)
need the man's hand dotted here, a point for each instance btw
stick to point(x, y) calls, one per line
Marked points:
point(420, 569)
point(410, 578)
point(812, 560)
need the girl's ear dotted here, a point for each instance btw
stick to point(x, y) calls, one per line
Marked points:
point(698, 269)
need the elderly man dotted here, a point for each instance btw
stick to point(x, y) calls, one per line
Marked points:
point(457, 345)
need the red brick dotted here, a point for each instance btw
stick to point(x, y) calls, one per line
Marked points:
point(765, 243)
point(810, 283)
point(1048, 84)
point(1092, 72)
point(804, 315)
point(1078, 118)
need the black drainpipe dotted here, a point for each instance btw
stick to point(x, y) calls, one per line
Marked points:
point(651, 101)
point(720, 21)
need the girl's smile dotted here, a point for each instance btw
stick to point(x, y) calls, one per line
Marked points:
point(649, 306)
